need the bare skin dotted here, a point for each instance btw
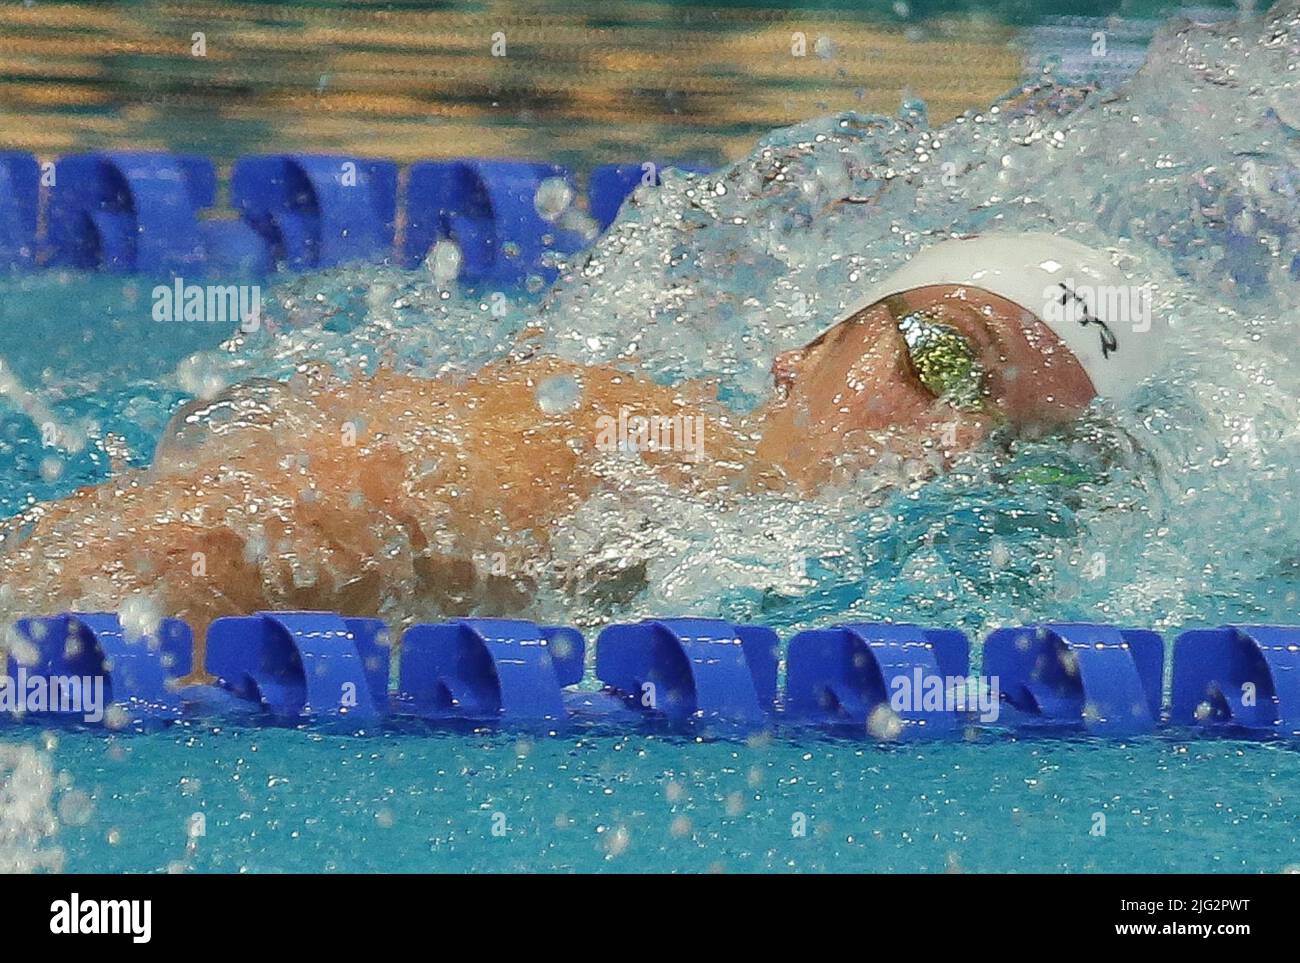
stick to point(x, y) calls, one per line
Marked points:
point(321, 493)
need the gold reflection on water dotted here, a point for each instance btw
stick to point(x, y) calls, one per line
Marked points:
point(610, 82)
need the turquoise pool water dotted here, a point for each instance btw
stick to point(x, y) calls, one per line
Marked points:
point(1174, 511)
point(282, 800)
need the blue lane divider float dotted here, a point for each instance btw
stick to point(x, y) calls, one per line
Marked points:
point(683, 669)
point(317, 211)
point(303, 664)
point(1103, 678)
point(489, 209)
point(139, 211)
point(139, 674)
point(1244, 676)
point(296, 666)
point(488, 669)
point(882, 676)
point(19, 208)
point(129, 211)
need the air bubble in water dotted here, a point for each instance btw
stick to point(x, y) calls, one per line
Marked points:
point(140, 617)
point(580, 223)
point(202, 375)
point(75, 808)
point(558, 394)
point(553, 197)
point(884, 723)
point(443, 262)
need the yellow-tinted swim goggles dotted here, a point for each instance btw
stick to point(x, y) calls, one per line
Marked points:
point(945, 360)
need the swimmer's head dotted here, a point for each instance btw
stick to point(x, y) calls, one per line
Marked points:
point(969, 335)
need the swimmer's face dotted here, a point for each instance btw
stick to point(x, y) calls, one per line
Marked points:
point(935, 368)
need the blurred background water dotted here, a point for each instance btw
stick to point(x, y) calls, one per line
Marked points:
point(579, 83)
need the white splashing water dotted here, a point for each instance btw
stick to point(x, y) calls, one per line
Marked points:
point(1175, 509)
point(28, 826)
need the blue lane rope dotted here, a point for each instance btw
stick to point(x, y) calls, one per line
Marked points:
point(887, 681)
point(154, 213)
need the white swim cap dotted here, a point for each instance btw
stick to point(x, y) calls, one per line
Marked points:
point(1103, 318)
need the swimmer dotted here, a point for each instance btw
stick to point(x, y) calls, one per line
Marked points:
point(380, 495)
